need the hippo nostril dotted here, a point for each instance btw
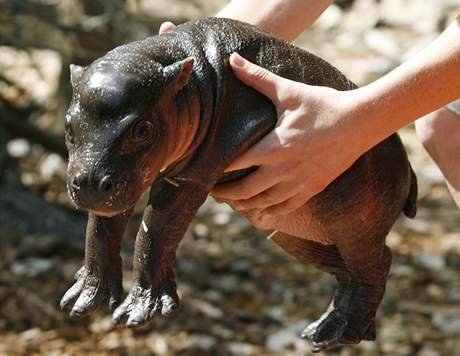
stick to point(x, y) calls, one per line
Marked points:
point(79, 181)
point(106, 184)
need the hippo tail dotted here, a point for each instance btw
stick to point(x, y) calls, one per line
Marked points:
point(410, 207)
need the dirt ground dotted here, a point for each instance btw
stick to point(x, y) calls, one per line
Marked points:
point(240, 293)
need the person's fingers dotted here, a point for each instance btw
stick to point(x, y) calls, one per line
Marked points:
point(270, 197)
point(166, 27)
point(257, 154)
point(261, 79)
point(288, 206)
point(247, 187)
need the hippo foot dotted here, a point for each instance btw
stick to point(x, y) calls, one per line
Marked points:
point(142, 303)
point(349, 319)
point(92, 290)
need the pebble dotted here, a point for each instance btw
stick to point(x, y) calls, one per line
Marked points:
point(402, 270)
point(51, 165)
point(206, 308)
point(201, 230)
point(430, 260)
point(446, 323)
point(158, 344)
point(288, 338)
point(32, 266)
point(329, 18)
point(426, 351)
point(18, 148)
point(242, 349)
point(198, 341)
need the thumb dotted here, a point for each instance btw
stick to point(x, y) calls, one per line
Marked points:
point(166, 26)
point(261, 79)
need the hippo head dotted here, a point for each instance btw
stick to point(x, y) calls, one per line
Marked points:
point(116, 130)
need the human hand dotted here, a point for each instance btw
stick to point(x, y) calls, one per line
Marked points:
point(166, 26)
point(313, 143)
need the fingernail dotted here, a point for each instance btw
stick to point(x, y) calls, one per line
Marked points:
point(237, 60)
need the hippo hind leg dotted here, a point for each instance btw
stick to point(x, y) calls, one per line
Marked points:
point(350, 317)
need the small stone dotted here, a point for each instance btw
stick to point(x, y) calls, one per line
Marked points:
point(228, 283)
point(380, 42)
point(202, 342)
point(241, 349)
point(201, 230)
point(402, 270)
point(241, 267)
point(206, 308)
point(393, 331)
point(51, 165)
point(417, 225)
point(222, 218)
point(446, 323)
point(329, 18)
point(101, 325)
point(18, 148)
point(288, 338)
point(430, 261)
point(426, 351)
point(158, 344)
point(31, 267)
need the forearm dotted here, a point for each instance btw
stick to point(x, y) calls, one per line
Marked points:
point(285, 19)
point(419, 86)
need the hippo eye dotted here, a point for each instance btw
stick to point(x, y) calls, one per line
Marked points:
point(141, 131)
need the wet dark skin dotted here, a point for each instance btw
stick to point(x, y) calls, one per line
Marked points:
point(168, 113)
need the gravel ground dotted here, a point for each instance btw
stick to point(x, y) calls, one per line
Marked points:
point(241, 295)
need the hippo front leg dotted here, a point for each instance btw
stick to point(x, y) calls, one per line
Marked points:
point(100, 279)
point(168, 214)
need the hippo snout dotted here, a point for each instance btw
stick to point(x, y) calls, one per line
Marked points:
point(103, 193)
point(82, 181)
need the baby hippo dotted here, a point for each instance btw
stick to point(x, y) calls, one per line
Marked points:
point(167, 113)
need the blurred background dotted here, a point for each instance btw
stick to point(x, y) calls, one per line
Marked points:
point(250, 297)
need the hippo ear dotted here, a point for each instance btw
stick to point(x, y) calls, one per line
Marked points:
point(75, 74)
point(179, 73)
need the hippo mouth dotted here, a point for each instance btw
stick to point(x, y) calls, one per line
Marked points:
point(104, 205)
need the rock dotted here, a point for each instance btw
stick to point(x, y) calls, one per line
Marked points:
point(402, 270)
point(242, 349)
point(417, 225)
point(288, 338)
point(426, 351)
point(222, 218)
point(18, 148)
point(51, 165)
point(102, 325)
point(424, 15)
point(206, 308)
point(430, 261)
point(241, 268)
point(201, 230)
point(381, 42)
point(446, 323)
point(158, 344)
point(227, 283)
point(393, 330)
point(31, 267)
point(197, 341)
point(329, 18)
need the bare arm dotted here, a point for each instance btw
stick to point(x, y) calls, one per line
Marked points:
point(424, 83)
point(285, 19)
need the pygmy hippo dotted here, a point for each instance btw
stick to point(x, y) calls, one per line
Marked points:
point(167, 113)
